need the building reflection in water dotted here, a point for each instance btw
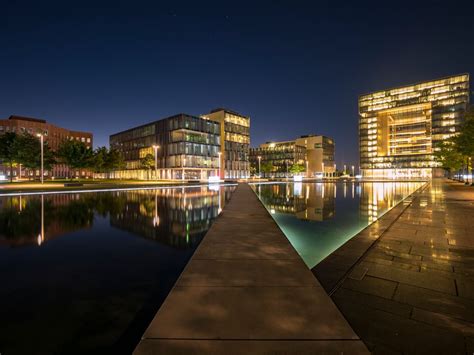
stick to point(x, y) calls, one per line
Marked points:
point(306, 212)
point(309, 202)
point(176, 217)
point(316, 201)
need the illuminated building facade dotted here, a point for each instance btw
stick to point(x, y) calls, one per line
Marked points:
point(400, 128)
point(281, 156)
point(314, 152)
point(184, 146)
point(53, 136)
point(234, 142)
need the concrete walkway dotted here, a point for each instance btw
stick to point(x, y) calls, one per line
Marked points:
point(246, 290)
point(413, 291)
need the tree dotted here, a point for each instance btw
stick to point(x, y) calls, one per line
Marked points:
point(29, 152)
point(465, 140)
point(76, 155)
point(449, 157)
point(105, 161)
point(147, 162)
point(297, 168)
point(266, 167)
point(9, 151)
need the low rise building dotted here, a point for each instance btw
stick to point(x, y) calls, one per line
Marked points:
point(315, 153)
point(53, 136)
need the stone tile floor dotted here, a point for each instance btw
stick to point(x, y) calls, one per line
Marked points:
point(413, 291)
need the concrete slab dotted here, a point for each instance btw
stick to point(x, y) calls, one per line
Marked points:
point(246, 290)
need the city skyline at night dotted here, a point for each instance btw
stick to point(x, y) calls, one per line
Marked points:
point(294, 69)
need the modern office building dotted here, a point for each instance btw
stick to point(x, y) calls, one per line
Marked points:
point(234, 142)
point(400, 128)
point(314, 152)
point(281, 156)
point(53, 136)
point(184, 146)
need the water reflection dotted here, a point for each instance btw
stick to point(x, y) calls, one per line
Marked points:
point(176, 217)
point(335, 211)
point(85, 273)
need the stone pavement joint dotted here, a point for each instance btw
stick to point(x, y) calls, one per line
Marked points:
point(246, 290)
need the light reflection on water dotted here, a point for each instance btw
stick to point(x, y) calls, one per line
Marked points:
point(86, 272)
point(318, 218)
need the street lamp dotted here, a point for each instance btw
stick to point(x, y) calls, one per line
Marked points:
point(42, 152)
point(259, 160)
point(156, 147)
point(353, 170)
point(344, 168)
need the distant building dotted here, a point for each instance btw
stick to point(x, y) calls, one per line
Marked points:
point(187, 147)
point(53, 135)
point(235, 142)
point(281, 156)
point(314, 152)
point(400, 128)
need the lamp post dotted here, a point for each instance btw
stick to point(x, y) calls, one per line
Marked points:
point(42, 152)
point(322, 167)
point(155, 147)
point(259, 160)
point(344, 168)
point(353, 170)
point(335, 170)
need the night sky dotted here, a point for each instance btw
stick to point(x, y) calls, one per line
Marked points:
point(295, 67)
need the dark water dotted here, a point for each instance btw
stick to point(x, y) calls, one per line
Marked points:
point(85, 273)
point(317, 218)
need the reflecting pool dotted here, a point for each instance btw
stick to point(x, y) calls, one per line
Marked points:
point(84, 273)
point(318, 218)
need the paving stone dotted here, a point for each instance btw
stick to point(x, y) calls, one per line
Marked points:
point(400, 333)
point(442, 320)
point(439, 302)
point(372, 301)
point(238, 347)
point(372, 285)
point(248, 313)
point(428, 280)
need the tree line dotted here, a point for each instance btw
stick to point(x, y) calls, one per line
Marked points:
point(455, 154)
point(25, 149)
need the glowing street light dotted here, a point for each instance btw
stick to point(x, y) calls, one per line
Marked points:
point(353, 170)
point(259, 160)
point(40, 135)
point(156, 147)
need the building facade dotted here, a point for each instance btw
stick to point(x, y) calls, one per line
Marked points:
point(234, 141)
point(280, 155)
point(184, 146)
point(400, 128)
point(53, 136)
point(314, 152)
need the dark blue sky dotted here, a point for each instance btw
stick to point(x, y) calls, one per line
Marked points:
point(295, 67)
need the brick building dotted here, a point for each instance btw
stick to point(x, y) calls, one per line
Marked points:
point(54, 135)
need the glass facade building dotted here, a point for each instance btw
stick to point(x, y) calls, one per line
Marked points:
point(235, 142)
point(400, 128)
point(281, 156)
point(314, 152)
point(188, 148)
